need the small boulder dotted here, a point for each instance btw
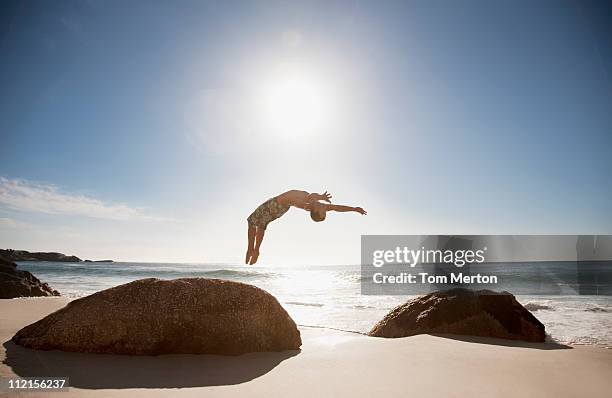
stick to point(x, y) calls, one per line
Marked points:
point(461, 311)
point(18, 283)
point(180, 316)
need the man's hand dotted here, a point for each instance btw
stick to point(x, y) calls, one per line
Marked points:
point(326, 196)
point(360, 210)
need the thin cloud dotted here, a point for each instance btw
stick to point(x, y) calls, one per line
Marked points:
point(26, 196)
point(11, 223)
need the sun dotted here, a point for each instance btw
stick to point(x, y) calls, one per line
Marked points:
point(295, 103)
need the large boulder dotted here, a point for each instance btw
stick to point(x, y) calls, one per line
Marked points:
point(180, 316)
point(18, 283)
point(460, 311)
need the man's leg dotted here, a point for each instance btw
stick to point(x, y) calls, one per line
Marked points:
point(259, 235)
point(251, 244)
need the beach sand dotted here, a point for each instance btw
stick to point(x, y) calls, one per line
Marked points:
point(331, 363)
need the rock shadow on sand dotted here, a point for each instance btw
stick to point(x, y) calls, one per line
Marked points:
point(102, 371)
point(547, 345)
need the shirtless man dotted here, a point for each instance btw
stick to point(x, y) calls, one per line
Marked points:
point(275, 207)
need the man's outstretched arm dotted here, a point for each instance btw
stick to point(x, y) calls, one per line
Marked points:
point(343, 208)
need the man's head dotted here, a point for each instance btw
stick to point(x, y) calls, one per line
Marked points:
point(317, 213)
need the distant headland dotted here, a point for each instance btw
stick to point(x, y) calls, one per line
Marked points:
point(23, 255)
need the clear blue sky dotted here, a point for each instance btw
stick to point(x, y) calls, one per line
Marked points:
point(135, 130)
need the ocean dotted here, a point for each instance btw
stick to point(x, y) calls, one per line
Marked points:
point(330, 296)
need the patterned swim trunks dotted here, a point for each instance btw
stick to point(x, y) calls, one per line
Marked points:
point(269, 211)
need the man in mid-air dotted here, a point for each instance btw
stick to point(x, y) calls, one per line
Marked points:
point(275, 207)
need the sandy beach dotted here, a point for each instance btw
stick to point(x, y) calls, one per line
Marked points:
point(330, 363)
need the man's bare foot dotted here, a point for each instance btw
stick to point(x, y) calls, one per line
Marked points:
point(248, 256)
point(254, 256)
